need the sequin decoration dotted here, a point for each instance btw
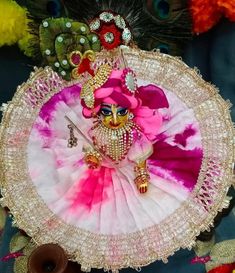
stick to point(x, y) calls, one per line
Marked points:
point(95, 24)
point(126, 35)
point(106, 16)
point(129, 82)
point(120, 22)
point(110, 20)
point(109, 37)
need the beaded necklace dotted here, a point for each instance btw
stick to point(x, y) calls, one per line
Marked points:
point(114, 143)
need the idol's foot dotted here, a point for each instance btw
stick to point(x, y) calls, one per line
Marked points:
point(142, 183)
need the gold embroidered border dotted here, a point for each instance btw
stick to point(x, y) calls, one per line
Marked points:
point(136, 249)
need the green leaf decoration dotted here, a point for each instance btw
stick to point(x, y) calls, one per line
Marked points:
point(18, 242)
point(59, 37)
point(20, 264)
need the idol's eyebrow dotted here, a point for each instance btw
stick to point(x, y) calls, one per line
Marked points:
point(106, 105)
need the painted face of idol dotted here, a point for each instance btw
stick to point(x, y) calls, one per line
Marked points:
point(114, 116)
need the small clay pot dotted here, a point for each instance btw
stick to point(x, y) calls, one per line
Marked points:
point(51, 258)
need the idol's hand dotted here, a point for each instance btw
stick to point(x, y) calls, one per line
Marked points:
point(142, 177)
point(92, 159)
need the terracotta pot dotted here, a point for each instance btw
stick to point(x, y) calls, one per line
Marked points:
point(51, 258)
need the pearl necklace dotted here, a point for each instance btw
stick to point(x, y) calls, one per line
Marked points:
point(114, 143)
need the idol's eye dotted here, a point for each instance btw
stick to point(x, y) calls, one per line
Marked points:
point(122, 111)
point(106, 112)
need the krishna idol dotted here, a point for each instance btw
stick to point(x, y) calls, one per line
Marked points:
point(122, 114)
point(120, 156)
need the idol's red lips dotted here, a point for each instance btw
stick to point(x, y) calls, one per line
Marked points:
point(114, 125)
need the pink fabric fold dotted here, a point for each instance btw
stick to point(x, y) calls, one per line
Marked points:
point(150, 121)
point(152, 96)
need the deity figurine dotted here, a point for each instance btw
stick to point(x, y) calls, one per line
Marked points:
point(119, 155)
point(119, 168)
point(123, 118)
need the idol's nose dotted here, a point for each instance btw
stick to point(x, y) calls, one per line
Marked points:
point(115, 119)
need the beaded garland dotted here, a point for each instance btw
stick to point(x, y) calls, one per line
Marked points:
point(114, 143)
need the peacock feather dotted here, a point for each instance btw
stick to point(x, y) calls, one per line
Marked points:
point(173, 23)
point(163, 24)
point(57, 26)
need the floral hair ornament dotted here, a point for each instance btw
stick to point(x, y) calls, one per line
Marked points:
point(112, 29)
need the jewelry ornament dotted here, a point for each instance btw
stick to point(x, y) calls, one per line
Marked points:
point(81, 62)
point(112, 29)
point(87, 92)
point(131, 116)
point(72, 141)
point(63, 41)
point(115, 144)
point(92, 158)
point(142, 177)
point(129, 81)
